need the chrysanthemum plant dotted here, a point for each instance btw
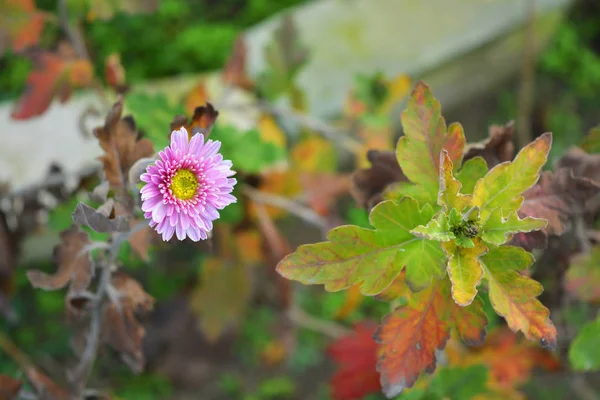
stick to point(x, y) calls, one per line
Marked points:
point(438, 245)
point(183, 189)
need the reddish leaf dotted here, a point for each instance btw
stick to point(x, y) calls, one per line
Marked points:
point(368, 184)
point(356, 355)
point(497, 148)
point(53, 76)
point(119, 140)
point(74, 264)
point(9, 387)
point(408, 339)
point(21, 25)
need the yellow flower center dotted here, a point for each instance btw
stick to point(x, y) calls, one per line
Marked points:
point(184, 184)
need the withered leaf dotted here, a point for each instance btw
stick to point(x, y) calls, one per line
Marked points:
point(202, 121)
point(581, 163)
point(497, 148)
point(140, 241)
point(119, 140)
point(100, 220)
point(9, 387)
point(234, 72)
point(74, 264)
point(368, 184)
point(138, 168)
point(121, 330)
point(100, 192)
point(557, 197)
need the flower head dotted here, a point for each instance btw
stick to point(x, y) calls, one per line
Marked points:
point(186, 186)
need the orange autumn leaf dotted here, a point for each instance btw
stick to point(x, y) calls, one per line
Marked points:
point(53, 76)
point(408, 339)
point(21, 25)
point(198, 95)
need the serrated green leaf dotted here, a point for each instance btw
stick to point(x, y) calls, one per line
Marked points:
point(584, 353)
point(459, 382)
point(449, 196)
point(399, 190)
point(465, 270)
point(472, 170)
point(503, 185)
point(497, 230)
point(371, 258)
point(513, 295)
point(425, 136)
point(437, 229)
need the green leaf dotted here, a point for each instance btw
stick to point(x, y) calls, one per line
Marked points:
point(591, 143)
point(425, 136)
point(153, 115)
point(437, 229)
point(465, 270)
point(248, 152)
point(471, 171)
point(459, 382)
point(503, 185)
point(399, 190)
point(449, 196)
point(372, 258)
point(513, 295)
point(497, 230)
point(584, 353)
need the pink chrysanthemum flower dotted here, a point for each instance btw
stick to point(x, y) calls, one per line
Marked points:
point(186, 186)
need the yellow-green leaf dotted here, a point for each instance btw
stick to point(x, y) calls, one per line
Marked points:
point(498, 230)
point(449, 192)
point(503, 185)
point(464, 269)
point(513, 295)
point(437, 229)
point(425, 136)
point(372, 258)
point(472, 170)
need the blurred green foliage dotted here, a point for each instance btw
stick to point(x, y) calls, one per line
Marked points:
point(183, 36)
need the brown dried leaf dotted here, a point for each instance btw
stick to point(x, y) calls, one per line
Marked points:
point(581, 163)
point(9, 387)
point(74, 264)
point(557, 197)
point(497, 148)
point(202, 121)
point(100, 220)
point(131, 293)
point(140, 240)
point(121, 329)
point(119, 140)
point(368, 184)
point(235, 69)
point(114, 73)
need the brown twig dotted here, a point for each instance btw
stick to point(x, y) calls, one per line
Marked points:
point(526, 91)
point(284, 203)
point(335, 135)
point(328, 328)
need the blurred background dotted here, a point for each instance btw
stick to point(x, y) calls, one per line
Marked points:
point(303, 90)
